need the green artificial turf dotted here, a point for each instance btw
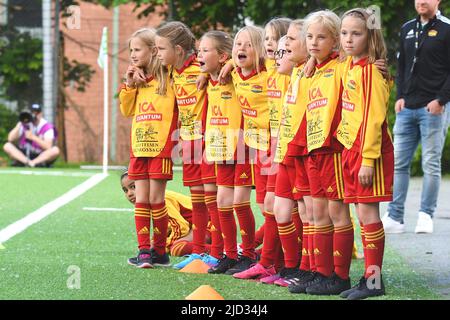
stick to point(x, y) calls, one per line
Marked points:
point(44, 261)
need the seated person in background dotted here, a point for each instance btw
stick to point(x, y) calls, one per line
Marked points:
point(179, 206)
point(32, 141)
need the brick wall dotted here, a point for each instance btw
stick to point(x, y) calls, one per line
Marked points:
point(84, 117)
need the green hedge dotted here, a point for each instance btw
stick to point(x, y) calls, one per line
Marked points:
point(8, 120)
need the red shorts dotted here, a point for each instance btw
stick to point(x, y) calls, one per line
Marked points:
point(240, 175)
point(301, 186)
point(150, 168)
point(286, 179)
point(196, 169)
point(325, 176)
point(383, 178)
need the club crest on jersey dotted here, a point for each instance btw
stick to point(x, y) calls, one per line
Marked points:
point(191, 78)
point(432, 33)
point(256, 89)
point(352, 84)
point(328, 73)
point(226, 95)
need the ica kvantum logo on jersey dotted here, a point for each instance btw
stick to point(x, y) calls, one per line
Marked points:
point(318, 101)
point(246, 109)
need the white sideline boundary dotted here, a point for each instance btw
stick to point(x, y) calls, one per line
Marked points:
point(47, 209)
point(48, 173)
point(107, 209)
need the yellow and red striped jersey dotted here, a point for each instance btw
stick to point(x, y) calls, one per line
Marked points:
point(365, 97)
point(321, 98)
point(191, 101)
point(155, 118)
point(223, 122)
point(179, 227)
point(293, 114)
point(251, 92)
point(277, 85)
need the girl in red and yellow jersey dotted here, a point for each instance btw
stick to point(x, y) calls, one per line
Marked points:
point(333, 234)
point(147, 97)
point(293, 230)
point(368, 157)
point(250, 82)
point(224, 145)
point(176, 47)
point(271, 254)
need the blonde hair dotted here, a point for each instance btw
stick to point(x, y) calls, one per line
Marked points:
point(223, 42)
point(375, 41)
point(298, 23)
point(279, 26)
point(256, 35)
point(328, 19)
point(178, 34)
point(154, 67)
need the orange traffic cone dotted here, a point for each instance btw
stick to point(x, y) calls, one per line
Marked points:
point(196, 266)
point(204, 292)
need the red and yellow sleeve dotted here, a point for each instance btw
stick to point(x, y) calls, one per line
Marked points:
point(127, 99)
point(376, 96)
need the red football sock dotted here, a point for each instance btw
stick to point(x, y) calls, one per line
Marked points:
point(160, 217)
point(247, 228)
point(374, 234)
point(216, 233)
point(259, 236)
point(299, 226)
point(271, 240)
point(305, 262)
point(142, 221)
point(323, 249)
point(279, 257)
point(342, 250)
point(363, 240)
point(200, 218)
point(311, 244)
point(181, 248)
point(289, 241)
point(229, 233)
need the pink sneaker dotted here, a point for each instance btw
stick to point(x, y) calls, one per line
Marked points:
point(255, 272)
point(270, 279)
point(282, 282)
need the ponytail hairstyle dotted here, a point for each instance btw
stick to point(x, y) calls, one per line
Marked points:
point(256, 35)
point(178, 34)
point(279, 26)
point(223, 42)
point(375, 41)
point(154, 67)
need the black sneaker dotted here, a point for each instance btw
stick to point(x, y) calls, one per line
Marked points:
point(364, 291)
point(133, 261)
point(346, 293)
point(160, 260)
point(333, 285)
point(294, 275)
point(224, 264)
point(243, 264)
point(144, 259)
point(299, 285)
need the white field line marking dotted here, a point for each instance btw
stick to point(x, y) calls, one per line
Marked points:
point(48, 173)
point(47, 209)
point(108, 209)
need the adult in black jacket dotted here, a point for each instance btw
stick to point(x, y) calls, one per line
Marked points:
point(422, 107)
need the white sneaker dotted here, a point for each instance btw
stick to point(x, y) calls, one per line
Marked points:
point(392, 226)
point(424, 223)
